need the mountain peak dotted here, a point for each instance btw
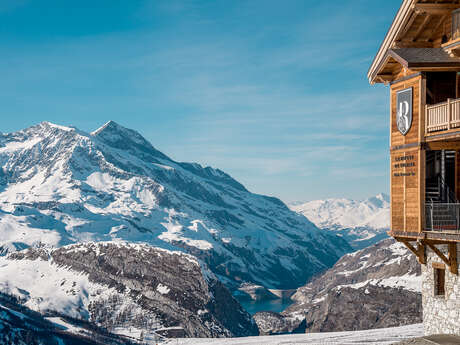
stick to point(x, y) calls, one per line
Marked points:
point(113, 132)
point(123, 138)
point(110, 125)
point(380, 200)
point(53, 125)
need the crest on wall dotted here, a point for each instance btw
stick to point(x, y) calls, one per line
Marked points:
point(404, 110)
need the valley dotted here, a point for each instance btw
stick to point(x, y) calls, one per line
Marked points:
point(114, 232)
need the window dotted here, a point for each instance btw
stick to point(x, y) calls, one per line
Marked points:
point(440, 281)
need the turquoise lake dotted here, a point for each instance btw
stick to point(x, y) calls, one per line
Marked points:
point(277, 305)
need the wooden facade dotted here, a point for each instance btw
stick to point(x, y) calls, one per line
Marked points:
point(420, 60)
point(406, 162)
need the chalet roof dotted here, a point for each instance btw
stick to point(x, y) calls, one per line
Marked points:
point(417, 24)
point(414, 58)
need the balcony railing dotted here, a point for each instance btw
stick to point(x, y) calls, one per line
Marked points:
point(442, 217)
point(442, 116)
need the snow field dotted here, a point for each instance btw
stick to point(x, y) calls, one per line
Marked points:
point(384, 336)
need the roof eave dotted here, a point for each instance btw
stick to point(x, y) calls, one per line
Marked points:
point(395, 28)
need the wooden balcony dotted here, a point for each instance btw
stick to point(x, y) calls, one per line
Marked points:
point(442, 117)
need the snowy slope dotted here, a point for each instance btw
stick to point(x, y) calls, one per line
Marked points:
point(125, 288)
point(379, 286)
point(59, 185)
point(20, 325)
point(362, 222)
point(384, 336)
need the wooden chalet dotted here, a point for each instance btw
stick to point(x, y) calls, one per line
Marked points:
point(420, 60)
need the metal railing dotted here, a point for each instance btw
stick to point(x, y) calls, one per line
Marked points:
point(442, 116)
point(442, 217)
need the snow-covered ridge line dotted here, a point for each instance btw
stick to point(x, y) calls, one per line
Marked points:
point(360, 222)
point(60, 186)
point(347, 213)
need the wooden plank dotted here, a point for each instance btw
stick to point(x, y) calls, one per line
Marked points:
point(408, 25)
point(444, 237)
point(438, 265)
point(436, 27)
point(453, 258)
point(443, 145)
point(421, 27)
point(408, 236)
point(391, 164)
point(443, 135)
point(435, 8)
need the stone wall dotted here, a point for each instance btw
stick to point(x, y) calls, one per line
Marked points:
point(441, 314)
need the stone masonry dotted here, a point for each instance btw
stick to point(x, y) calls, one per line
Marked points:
point(441, 314)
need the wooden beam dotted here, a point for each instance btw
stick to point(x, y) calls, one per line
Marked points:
point(438, 25)
point(453, 258)
point(435, 8)
point(438, 265)
point(387, 77)
point(443, 145)
point(419, 252)
point(408, 25)
point(438, 253)
point(421, 27)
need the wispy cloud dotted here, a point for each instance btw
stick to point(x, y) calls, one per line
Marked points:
point(259, 89)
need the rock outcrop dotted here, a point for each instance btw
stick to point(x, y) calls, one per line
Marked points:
point(372, 288)
point(126, 288)
point(21, 326)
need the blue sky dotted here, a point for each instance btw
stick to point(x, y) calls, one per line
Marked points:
point(272, 92)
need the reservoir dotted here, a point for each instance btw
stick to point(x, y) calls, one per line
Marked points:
point(277, 305)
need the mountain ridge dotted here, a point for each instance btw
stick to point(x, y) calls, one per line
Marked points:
point(359, 285)
point(360, 222)
point(60, 185)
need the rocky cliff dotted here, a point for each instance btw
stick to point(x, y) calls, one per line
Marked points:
point(372, 288)
point(21, 326)
point(127, 289)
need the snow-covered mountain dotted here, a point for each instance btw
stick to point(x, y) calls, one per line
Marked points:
point(379, 286)
point(127, 289)
point(60, 185)
point(361, 222)
point(20, 325)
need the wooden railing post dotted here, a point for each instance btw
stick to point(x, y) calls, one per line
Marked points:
point(426, 119)
point(448, 113)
